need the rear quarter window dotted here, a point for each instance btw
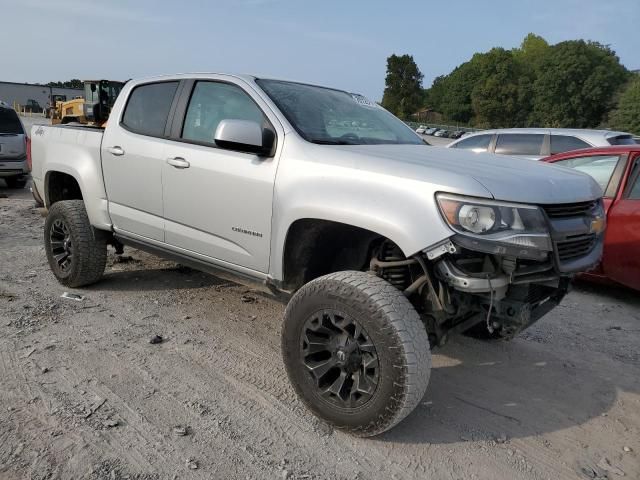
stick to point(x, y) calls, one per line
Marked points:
point(148, 108)
point(622, 140)
point(10, 122)
point(519, 144)
point(566, 143)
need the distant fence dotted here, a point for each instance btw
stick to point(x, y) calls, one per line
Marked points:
point(26, 111)
point(451, 128)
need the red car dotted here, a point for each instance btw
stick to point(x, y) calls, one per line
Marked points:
point(617, 170)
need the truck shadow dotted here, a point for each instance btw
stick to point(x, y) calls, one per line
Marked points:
point(166, 277)
point(497, 391)
point(543, 381)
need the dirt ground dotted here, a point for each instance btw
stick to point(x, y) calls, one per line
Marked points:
point(84, 394)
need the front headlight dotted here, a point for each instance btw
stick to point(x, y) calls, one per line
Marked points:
point(510, 223)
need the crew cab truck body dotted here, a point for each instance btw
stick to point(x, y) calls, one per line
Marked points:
point(382, 244)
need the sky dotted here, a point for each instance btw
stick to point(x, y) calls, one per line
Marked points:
point(338, 43)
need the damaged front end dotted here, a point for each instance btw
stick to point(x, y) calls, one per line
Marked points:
point(506, 266)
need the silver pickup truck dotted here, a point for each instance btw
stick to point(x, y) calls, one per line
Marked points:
point(382, 245)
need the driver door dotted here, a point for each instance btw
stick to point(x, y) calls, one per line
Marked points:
point(621, 261)
point(218, 202)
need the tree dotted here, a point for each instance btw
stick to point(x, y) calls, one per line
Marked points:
point(532, 51)
point(626, 116)
point(403, 86)
point(455, 92)
point(73, 83)
point(570, 84)
point(497, 98)
point(576, 85)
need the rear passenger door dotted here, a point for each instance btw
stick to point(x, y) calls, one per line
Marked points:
point(133, 156)
point(218, 202)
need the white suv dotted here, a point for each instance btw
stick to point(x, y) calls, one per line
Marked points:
point(536, 143)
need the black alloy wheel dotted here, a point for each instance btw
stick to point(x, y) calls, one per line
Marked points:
point(340, 357)
point(61, 244)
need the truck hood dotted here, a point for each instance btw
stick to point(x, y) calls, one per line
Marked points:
point(505, 178)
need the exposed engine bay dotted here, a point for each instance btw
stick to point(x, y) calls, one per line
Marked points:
point(455, 289)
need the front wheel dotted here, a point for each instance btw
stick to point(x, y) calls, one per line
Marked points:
point(77, 253)
point(356, 352)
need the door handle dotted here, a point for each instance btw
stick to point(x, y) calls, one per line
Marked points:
point(178, 162)
point(117, 151)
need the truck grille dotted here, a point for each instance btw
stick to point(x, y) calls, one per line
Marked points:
point(576, 246)
point(570, 209)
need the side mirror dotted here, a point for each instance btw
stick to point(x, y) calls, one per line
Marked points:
point(244, 136)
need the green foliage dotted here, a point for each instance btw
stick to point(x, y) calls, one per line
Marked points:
point(570, 84)
point(626, 116)
point(403, 93)
point(576, 84)
point(73, 83)
point(497, 98)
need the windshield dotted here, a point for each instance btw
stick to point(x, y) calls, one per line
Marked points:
point(333, 117)
point(9, 121)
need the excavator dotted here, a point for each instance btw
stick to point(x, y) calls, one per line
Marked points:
point(93, 109)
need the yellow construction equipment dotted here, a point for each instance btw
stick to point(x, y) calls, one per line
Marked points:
point(93, 109)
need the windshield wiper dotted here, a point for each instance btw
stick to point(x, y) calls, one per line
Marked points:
point(332, 142)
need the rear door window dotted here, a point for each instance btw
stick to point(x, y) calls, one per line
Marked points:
point(566, 143)
point(477, 143)
point(600, 167)
point(9, 122)
point(519, 144)
point(148, 108)
point(634, 182)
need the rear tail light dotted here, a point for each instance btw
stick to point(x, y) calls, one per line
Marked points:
point(29, 163)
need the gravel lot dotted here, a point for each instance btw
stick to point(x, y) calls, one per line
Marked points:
point(83, 394)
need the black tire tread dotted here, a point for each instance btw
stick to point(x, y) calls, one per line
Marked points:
point(403, 322)
point(90, 245)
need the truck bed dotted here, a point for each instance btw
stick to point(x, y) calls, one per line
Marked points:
point(72, 150)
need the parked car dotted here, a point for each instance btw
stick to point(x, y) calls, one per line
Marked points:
point(441, 133)
point(421, 129)
point(431, 131)
point(457, 134)
point(617, 171)
point(382, 244)
point(536, 143)
point(14, 168)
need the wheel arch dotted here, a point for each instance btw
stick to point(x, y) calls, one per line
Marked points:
point(314, 247)
point(61, 185)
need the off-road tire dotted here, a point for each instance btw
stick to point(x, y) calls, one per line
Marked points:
point(395, 329)
point(15, 182)
point(89, 245)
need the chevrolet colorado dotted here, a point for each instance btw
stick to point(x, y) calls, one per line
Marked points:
point(382, 245)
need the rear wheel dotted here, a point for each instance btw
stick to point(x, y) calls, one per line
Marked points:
point(356, 352)
point(77, 253)
point(15, 182)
